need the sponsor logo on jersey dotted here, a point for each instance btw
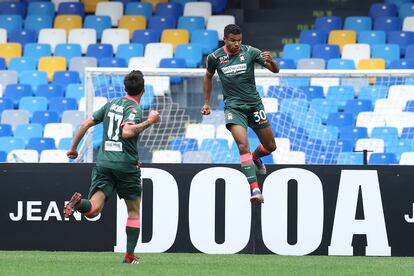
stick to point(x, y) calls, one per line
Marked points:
point(234, 69)
point(113, 146)
point(224, 59)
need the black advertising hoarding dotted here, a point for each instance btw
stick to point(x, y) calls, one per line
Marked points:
point(31, 204)
point(308, 210)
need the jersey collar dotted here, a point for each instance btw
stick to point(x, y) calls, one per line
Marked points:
point(132, 99)
point(228, 52)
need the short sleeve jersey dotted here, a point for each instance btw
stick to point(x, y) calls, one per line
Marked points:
point(236, 72)
point(116, 152)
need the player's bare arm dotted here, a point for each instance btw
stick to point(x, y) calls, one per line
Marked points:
point(73, 152)
point(205, 110)
point(130, 131)
point(270, 63)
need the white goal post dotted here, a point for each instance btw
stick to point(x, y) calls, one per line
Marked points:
point(291, 99)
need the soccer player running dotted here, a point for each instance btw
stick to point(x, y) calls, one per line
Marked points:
point(117, 166)
point(234, 63)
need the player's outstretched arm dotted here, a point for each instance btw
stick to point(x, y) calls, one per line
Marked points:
point(129, 131)
point(207, 86)
point(73, 152)
point(270, 63)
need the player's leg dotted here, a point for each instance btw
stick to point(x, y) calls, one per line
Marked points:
point(239, 134)
point(260, 124)
point(101, 188)
point(132, 229)
point(129, 188)
point(266, 147)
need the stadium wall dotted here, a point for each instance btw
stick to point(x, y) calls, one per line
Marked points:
point(308, 210)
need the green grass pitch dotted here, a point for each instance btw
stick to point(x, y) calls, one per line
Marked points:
point(108, 263)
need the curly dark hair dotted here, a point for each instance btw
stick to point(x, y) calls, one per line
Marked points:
point(134, 82)
point(232, 29)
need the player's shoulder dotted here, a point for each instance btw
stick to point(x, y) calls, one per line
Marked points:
point(249, 48)
point(217, 53)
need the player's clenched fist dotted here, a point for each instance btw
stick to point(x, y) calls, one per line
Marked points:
point(153, 116)
point(72, 154)
point(267, 56)
point(205, 110)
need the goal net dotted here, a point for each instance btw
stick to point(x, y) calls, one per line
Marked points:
point(317, 117)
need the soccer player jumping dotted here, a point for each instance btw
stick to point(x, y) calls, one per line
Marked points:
point(234, 63)
point(117, 166)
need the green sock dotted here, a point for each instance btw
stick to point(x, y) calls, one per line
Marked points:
point(249, 170)
point(84, 206)
point(132, 238)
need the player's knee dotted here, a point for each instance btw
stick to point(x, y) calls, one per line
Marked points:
point(243, 149)
point(271, 147)
point(92, 214)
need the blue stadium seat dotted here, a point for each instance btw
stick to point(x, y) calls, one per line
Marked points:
point(160, 23)
point(354, 106)
point(33, 104)
point(406, 9)
point(37, 50)
point(296, 51)
point(403, 39)
point(398, 3)
point(2, 63)
point(326, 51)
point(34, 78)
point(49, 91)
point(68, 51)
point(65, 143)
point(382, 159)
point(409, 106)
point(312, 37)
point(59, 105)
point(409, 55)
point(358, 23)
point(191, 23)
point(312, 92)
point(169, 9)
point(112, 62)
point(173, 63)
point(22, 36)
point(323, 107)
point(285, 63)
point(328, 23)
point(338, 146)
point(192, 53)
point(3, 156)
point(126, 51)
point(340, 94)
point(382, 9)
point(407, 133)
point(373, 92)
point(184, 144)
point(280, 92)
point(218, 148)
point(218, 6)
point(402, 63)
point(388, 52)
point(18, 8)
point(75, 91)
point(341, 64)
point(17, 91)
point(11, 22)
point(340, 119)
point(40, 144)
point(64, 78)
point(27, 131)
point(139, 8)
point(5, 130)
point(388, 134)
point(71, 8)
point(145, 36)
point(99, 23)
point(280, 122)
point(100, 50)
point(387, 24)
point(399, 146)
point(125, 2)
point(20, 64)
point(7, 144)
point(45, 117)
point(352, 133)
point(371, 37)
point(147, 100)
point(41, 8)
point(207, 38)
point(5, 103)
point(350, 158)
point(323, 133)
